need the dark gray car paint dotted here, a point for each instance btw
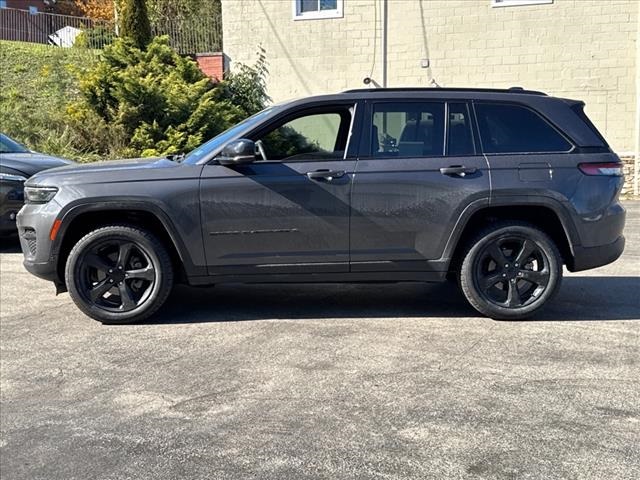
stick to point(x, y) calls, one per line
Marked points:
point(398, 219)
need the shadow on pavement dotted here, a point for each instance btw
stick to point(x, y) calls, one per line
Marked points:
point(580, 299)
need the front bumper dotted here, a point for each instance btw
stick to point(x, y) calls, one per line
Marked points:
point(34, 226)
point(585, 258)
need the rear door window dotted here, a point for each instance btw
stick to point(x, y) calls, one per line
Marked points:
point(406, 129)
point(506, 128)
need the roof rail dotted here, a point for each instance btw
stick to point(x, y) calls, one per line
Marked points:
point(519, 90)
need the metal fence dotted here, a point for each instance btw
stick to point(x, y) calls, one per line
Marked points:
point(187, 37)
point(190, 36)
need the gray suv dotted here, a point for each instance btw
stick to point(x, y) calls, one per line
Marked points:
point(497, 189)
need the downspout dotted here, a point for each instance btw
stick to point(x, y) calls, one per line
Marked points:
point(636, 160)
point(384, 42)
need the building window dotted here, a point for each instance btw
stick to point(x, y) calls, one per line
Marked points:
point(513, 3)
point(311, 9)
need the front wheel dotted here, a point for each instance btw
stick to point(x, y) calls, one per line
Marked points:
point(510, 270)
point(119, 274)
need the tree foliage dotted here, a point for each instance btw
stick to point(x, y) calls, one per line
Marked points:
point(134, 22)
point(246, 86)
point(97, 9)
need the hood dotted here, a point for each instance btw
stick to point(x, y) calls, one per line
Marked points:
point(31, 163)
point(135, 169)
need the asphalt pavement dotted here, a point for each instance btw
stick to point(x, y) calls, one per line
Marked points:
point(323, 381)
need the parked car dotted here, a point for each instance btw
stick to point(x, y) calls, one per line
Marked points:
point(497, 188)
point(17, 163)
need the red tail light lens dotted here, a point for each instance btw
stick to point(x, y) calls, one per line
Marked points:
point(611, 169)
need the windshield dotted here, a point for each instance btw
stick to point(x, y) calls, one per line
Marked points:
point(206, 148)
point(9, 146)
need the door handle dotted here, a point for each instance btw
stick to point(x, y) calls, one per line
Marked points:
point(327, 175)
point(458, 170)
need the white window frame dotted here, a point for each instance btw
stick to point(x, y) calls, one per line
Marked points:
point(333, 13)
point(518, 3)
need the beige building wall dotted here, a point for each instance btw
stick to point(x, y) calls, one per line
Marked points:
point(583, 49)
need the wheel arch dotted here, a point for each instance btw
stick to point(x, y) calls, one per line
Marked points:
point(82, 219)
point(547, 214)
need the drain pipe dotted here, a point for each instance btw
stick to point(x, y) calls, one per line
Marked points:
point(385, 25)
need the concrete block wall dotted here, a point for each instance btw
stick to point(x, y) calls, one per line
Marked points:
point(583, 49)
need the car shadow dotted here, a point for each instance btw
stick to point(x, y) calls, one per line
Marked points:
point(581, 298)
point(10, 244)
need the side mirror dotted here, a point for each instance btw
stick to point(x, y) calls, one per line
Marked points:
point(238, 152)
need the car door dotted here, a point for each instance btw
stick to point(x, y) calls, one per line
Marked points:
point(419, 168)
point(288, 212)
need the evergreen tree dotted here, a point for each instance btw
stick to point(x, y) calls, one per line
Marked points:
point(134, 22)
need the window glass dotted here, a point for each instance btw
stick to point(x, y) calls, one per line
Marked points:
point(516, 129)
point(303, 9)
point(311, 137)
point(408, 129)
point(460, 139)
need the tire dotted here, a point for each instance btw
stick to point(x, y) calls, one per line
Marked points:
point(510, 270)
point(119, 274)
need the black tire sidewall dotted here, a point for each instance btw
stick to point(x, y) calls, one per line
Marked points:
point(467, 271)
point(152, 247)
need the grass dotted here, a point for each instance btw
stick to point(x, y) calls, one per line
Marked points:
point(37, 82)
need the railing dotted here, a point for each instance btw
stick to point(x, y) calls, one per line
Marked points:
point(187, 37)
point(52, 29)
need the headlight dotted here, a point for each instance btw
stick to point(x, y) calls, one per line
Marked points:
point(12, 178)
point(39, 194)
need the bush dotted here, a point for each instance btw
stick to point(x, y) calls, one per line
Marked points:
point(148, 102)
point(97, 37)
point(246, 87)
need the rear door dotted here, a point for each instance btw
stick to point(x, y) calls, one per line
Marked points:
point(419, 168)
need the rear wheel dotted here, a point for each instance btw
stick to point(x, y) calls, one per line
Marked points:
point(510, 270)
point(119, 274)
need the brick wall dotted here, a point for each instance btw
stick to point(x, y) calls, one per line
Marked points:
point(584, 49)
point(629, 177)
point(212, 65)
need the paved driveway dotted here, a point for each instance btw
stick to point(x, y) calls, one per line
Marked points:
point(294, 382)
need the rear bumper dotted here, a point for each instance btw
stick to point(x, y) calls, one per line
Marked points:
point(585, 258)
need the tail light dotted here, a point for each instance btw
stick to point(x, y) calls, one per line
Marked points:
point(610, 169)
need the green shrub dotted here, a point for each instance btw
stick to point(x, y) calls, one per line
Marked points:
point(97, 37)
point(148, 102)
point(246, 87)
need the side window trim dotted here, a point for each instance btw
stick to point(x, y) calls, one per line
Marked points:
point(366, 140)
point(535, 112)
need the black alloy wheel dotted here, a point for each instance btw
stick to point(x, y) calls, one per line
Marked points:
point(116, 275)
point(119, 274)
point(510, 270)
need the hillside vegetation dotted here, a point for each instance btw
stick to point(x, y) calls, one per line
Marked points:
point(37, 83)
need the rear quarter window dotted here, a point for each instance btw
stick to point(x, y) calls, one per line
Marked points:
point(506, 128)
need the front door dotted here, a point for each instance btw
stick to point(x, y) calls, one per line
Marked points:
point(420, 168)
point(288, 212)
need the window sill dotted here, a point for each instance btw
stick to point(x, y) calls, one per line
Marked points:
point(319, 15)
point(519, 3)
